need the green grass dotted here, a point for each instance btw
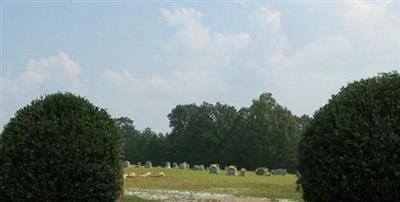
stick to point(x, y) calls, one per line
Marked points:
point(273, 187)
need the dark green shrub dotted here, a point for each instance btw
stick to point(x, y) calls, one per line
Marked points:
point(351, 149)
point(60, 148)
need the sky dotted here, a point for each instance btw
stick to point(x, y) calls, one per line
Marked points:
point(141, 59)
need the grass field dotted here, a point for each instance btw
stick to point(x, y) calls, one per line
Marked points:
point(272, 187)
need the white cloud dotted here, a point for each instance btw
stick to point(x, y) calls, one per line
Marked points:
point(182, 16)
point(198, 57)
point(126, 79)
point(366, 42)
point(268, 30)
point(198, 61)
point(41, 70)
point(192, 34)
point(179, 83)
point(190, 31)
point(229, 42)
point(373, 24)
point(40, 76)
point(267, 18)
point(360, 10)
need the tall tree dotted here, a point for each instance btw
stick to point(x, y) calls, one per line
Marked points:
point(132, 142)
point(199, 132)
point(272, 134)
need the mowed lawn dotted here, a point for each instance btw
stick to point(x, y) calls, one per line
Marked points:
point(272, 187)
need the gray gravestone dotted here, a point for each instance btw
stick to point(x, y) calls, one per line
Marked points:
point(231, 170)
point(127, 164)
point(148, 164)
point(214, 169)
point(279, 171)
point(263, 171)
point(243, 172)
point(196, 167)
point(183, 165)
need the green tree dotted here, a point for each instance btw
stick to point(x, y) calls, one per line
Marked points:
point(142, 145)
point(179, 123)
point(303, 122)
point(199, 132)
point(265, 134)
point(60, 148)
point(155, 148)
point(350, 150)
point(132, 144)
point(272, 134)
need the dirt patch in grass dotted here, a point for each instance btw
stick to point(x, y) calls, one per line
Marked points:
point(176, 195)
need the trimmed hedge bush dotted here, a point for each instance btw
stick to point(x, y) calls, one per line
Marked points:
point(351, 149)
point(60, 148)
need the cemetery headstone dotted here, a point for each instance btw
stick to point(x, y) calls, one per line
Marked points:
point(127, 164)
point(263, 171)
point(243, 172)
point(196, 167)
point(231, 170)
point(279, 171)
point(148, 164)
point(183, 165)
point(214, 169)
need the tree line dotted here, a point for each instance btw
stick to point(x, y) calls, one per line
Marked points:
point(264, 134)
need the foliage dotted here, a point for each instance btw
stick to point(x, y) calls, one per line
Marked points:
point(271, 134)
point(265, 134)
point(60, 148)
point(140, 146)
point(199, 133)
point(350, 150)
